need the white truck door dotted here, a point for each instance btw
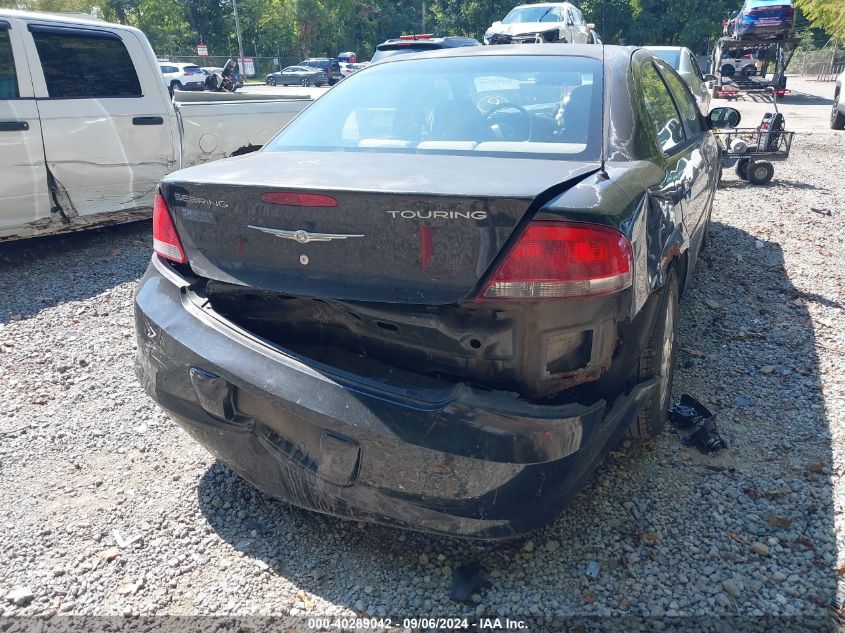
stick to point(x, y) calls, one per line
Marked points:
point(24, 194)
point(109, 130)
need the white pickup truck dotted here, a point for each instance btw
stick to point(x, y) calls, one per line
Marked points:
point(87, 127)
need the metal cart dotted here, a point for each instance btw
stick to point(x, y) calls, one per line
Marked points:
point(753, 155)
point(751, 151)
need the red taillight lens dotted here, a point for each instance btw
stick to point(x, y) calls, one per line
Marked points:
point(553, 260)
point(294, 199)
point(165, 238)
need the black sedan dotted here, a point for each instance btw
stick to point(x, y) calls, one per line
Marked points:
point(297, 76)
point(449, 332)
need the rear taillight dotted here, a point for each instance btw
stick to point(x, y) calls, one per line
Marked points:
point(556, 260)
point(165, 238)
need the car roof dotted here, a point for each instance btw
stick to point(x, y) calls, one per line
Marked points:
point(446, 39)
point(64, 19)
point(609, 53)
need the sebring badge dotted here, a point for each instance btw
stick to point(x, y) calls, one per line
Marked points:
point(304, 237)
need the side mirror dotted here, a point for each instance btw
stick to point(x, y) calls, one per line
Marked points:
point(709, 77)
point(723, 118)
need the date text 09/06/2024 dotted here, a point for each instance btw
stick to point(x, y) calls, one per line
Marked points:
point(482, 624)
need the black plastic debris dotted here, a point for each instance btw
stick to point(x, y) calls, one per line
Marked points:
point(468, 580)
point(690, 414)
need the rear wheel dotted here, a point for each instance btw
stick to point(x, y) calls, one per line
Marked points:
point(741, 168)
point(759, 173)
point(175, 85)
point(658, 361)
point(837, 118)
point(304, 81)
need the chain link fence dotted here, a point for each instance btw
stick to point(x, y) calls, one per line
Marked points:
point(824, 64)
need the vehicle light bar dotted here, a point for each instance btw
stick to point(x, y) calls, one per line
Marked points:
point(563, 260)
point(295, 199)
point(166, 242)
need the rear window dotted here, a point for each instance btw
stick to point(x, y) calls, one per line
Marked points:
point(479, 106)
point(384, 51)
point(86, 66)
point(192, 69)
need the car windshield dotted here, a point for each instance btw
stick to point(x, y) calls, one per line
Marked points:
point(672, 58)
point(499, 105)
point(531, 14)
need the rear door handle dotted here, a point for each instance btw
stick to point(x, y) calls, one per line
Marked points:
point(13, 126)
point(147, 120)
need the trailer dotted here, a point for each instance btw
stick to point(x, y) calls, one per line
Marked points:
point(768, 54)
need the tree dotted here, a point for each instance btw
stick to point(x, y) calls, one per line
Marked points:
point(826, 14)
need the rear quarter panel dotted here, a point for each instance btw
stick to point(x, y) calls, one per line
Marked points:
point(211, 131)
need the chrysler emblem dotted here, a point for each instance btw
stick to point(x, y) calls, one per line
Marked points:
point(304, 237)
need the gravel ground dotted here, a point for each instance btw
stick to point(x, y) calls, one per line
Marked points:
point(108, 508)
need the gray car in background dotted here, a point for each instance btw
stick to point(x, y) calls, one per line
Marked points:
point(298, 76)
point(685, 63)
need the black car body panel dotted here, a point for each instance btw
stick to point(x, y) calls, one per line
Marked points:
point(371, 387)
point(386, 200)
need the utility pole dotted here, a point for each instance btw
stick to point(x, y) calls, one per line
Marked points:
point(240, 43)
point(423, 17)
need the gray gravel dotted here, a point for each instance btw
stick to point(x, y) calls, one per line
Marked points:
point(109, 508)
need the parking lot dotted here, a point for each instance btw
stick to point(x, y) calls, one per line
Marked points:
point(111, 509)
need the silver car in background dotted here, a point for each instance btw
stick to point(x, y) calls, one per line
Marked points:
point(684, 62)
point(542, 23)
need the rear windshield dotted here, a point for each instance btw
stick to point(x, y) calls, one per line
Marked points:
point(193, 69)
point(389, 50)
point(479, 106)
point(670, 57)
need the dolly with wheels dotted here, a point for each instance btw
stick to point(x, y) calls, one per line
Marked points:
point(751, 151)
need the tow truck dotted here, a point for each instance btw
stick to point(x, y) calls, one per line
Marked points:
point(730, 83)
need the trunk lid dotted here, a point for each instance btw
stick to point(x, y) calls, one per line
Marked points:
point(405, 229)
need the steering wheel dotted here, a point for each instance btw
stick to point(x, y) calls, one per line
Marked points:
point(526, 117)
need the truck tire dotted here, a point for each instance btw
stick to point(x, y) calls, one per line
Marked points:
point(657, 360)
point(760, 172)
point(741, 169)
point(837, 118)
point(174, 86)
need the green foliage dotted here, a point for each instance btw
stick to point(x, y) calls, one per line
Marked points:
point(826, 14)
point(291, 28)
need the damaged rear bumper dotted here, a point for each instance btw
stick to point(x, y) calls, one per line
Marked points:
point(447, 459)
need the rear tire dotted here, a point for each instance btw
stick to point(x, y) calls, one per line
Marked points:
point(760, 173)
point(741, 169)
point(837, 118)
point(174, 86)
point(657, 360)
